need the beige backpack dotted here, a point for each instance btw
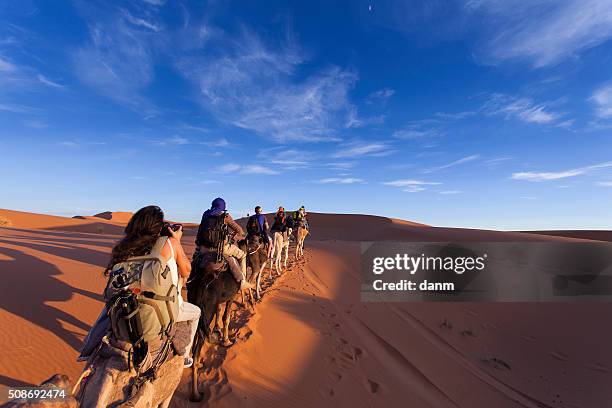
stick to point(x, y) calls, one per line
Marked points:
point(141, 299)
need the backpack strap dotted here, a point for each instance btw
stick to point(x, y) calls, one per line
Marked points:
point(159, 245)
point(155, 254)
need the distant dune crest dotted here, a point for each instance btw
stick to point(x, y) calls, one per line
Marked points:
point(116, 216)
point(346, 227)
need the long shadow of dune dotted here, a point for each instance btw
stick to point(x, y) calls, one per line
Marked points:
point(81, 236)
point(28, 283)
point(11, 382)
point(64, 240)
point(94, 227)
point(64, 249)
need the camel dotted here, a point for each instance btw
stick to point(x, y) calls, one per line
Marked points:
point(256, 261)
point(210, 289)
point(280, 244)
point(300, 234)
point(108, 380)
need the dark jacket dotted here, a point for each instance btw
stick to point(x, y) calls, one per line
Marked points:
point(280, 222)
point(262, 224)
point(235, 229)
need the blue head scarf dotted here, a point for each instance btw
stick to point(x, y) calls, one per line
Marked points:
point(217, 207)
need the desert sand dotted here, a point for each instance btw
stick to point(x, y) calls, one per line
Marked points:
point(312, 342)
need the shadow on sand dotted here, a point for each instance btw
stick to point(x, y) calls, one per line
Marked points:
point(28, 284)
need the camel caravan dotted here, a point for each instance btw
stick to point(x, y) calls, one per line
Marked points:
point(146, 334)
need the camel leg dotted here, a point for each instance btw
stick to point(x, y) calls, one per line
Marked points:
point(197, 348)
point(226, 323)
point(277, 264)
point(166, 403)
point(251, 301)
point(286, 249)
point(251, 297)
point(258, 283)
point(219, 318)
point(272, 247)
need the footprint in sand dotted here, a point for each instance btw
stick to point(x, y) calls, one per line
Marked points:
point(335, 376)
point(598, 367)
point(558, 355)
point(372, 386)
point(497, 363)
point(446, 324)
point(528, 338)
point(468, 333)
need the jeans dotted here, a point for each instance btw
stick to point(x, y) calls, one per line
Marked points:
point(189, 312)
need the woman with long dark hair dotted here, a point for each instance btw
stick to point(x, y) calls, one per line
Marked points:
point(141, 233)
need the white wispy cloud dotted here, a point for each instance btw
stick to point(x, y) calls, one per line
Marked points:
point(450, 192)
point(246, 169)
point(362, 149)
point(455, 115)
point(141, 22)
point(547, 176)
point(229, 168)
point(290, 164)
point(68, 143)
point(521, 108)
point(496, 161)
point(412, 134)
point(7, 66)
point(118, 60)
point(342, 180)
point(173, 140)
point(414, 189)
point(258, 169)
point(219, 142)
point(44, 80)
point(411, 185)
point(341, 165)
point(185, 126)
point(382, 94)
point(603, 100)
point(288, 158)
point(541, 31)
point(462, 160)
point(36, 124)
point(16, 108)
point(353, 120)
point(254, 86)
point(410, 182)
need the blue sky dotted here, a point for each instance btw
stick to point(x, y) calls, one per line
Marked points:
point(474, 113)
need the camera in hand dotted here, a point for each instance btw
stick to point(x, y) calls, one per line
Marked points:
point(165, 228)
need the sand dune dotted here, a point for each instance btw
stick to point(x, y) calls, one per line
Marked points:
point(312, 342)
point(360, 227)
point(116, 216)
point(92, 224)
